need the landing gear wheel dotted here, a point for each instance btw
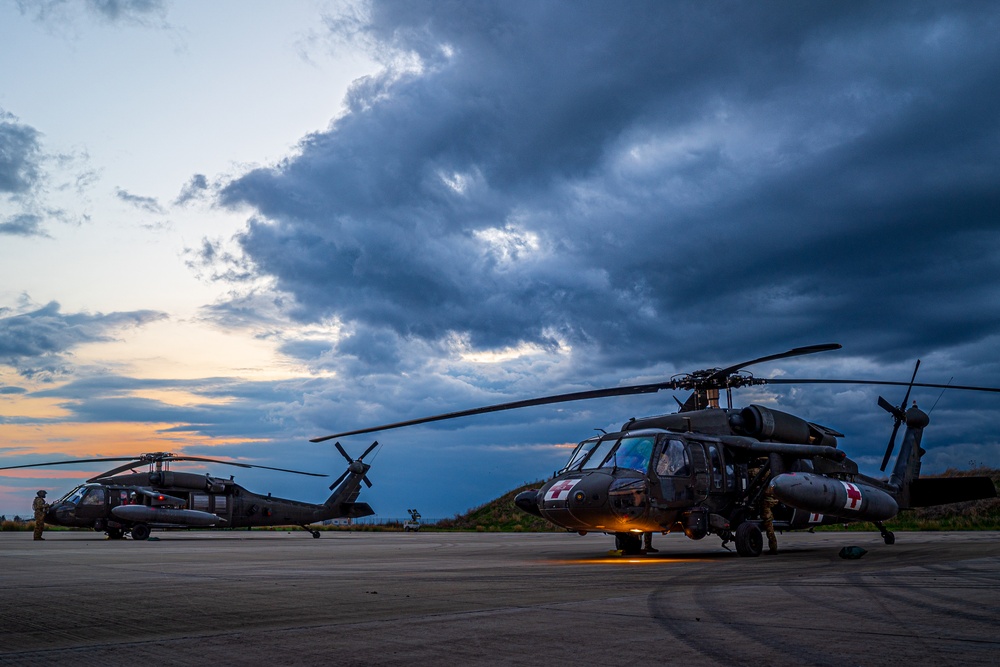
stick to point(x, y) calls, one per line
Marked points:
point(315, 533)
point(115, 533)
point(140, 531)
point(889, 538)
point(628, 543)
point(749, 540)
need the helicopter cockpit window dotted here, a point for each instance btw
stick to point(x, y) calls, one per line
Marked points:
point(634, 453)
point(599, 453)
point(95, 496)
point(580, 453)
point(673, 461)
point(73, 497)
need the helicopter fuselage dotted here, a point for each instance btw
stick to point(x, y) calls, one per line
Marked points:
point(703, 472)
point(167, 499)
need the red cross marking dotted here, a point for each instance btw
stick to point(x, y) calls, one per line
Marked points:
point(853, 496)
point(559, 487)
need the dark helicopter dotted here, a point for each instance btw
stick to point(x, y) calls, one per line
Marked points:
point(136, 502)
point(727, 471)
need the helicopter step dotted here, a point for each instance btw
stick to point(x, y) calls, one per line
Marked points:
point(164, 515)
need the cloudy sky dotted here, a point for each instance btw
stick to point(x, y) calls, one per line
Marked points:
point(229, 227)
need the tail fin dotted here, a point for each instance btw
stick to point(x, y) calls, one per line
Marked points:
point(911, 491)
point(907, 468)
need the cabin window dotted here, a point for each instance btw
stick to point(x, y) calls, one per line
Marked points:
point(94, 497)
point(673, 462)
point(199, 501)
point(220, 504)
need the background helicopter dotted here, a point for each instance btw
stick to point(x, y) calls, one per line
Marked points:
point(707, 469)
point(135, 502)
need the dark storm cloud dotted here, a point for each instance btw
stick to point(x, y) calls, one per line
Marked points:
point(672, 187)
point(645, 183)
point(34, 342)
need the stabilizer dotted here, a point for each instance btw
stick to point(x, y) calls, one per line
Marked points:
point(945, 490)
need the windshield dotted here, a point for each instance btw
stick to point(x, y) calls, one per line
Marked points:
point(580, 453)
point(73, 496)
point(599, 453)
point(634, 452)
point(631, 452)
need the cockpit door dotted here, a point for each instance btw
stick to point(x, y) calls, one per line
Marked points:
point(93, 504)
point(683, 470)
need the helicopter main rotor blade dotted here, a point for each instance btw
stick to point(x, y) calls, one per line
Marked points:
point(62, 463)
point(631, 390)
point(134, 461)
point(890, 383)
point(110, 473)
point(699, 381)
point(795, 352)
point(531, 402)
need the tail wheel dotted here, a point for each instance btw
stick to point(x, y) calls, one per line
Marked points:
point(749, 540)
point(140, 531)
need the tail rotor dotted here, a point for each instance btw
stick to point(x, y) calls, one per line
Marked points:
point(899, 416)
point(355, 466)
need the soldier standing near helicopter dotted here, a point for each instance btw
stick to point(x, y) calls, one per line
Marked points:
point(40, 507)
point(767, 514)
point(767, 503)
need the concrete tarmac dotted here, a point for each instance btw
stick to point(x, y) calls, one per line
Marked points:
point(356, 598)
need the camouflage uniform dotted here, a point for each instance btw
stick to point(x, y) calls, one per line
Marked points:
point(767, 514)
point(40, 507)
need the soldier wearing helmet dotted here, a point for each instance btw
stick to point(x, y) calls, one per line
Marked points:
point(40, 507)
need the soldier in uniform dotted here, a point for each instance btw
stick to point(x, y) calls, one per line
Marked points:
point(767, 514)
point(40, 507)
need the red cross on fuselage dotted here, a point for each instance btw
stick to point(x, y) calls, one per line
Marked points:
point(559, 487)
point(853, 497)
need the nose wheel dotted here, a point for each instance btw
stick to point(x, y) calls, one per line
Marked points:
point(630, 544)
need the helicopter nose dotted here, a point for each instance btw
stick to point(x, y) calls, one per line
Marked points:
point(60, 512)
point(527, 501)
